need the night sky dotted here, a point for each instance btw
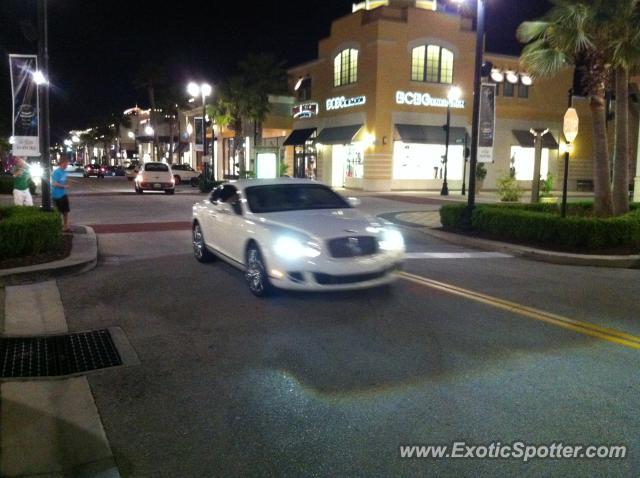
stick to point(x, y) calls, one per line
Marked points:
point(96, 46)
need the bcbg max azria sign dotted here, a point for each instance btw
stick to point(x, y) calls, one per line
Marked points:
point(425, 99)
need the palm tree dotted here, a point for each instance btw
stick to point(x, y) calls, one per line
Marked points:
point(575, 33)
point(244, 98)
point(625, 56)
point(117, 121)
point(149, 77)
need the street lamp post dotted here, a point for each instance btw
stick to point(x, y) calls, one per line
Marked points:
point(453, 95)
point(203, 90)
point(43, 53)
point(570, 129)
point(473, 160)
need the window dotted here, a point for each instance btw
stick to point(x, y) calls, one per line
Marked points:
point(345, 67)
point(523, 91)
point(432, 63)
point(508, 89)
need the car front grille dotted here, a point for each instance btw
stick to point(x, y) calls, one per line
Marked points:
point(354, 246)
point(331, 279)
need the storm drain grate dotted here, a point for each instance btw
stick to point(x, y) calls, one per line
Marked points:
point(57, 354)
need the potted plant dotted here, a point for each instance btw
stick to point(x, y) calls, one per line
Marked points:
point(481, 173)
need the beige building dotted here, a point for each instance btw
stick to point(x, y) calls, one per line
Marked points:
point(371, 108)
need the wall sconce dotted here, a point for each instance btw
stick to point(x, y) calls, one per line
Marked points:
point(384, 140)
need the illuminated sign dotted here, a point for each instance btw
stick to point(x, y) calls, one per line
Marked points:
point(342, 102)
point(425, 99)
point(306, 110)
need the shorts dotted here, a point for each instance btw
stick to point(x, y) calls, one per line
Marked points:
point(22, 198)
point(62, 204)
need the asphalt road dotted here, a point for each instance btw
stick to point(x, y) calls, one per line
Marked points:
point(333, 384)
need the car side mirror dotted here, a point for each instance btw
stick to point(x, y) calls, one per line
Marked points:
point(354, 202)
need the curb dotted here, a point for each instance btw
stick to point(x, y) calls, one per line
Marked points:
point(83, 258)
point(541, 255)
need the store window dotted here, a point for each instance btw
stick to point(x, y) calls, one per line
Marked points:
point(425, 161)
point(522, 159)
point(345, 67)
point(523, 91)
point(347, 162)
point(508, 89)
point(231, 167)
point(432, 63)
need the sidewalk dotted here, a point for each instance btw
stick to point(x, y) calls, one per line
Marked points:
point(429, 223)
point(49, 426)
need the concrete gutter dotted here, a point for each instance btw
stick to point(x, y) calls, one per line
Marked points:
point(83, 257)
point(553, 257)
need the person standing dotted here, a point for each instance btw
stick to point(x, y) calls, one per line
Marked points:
point(60, 183)
point(21, 180)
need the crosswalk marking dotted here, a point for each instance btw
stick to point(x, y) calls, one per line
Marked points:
point(456, 255)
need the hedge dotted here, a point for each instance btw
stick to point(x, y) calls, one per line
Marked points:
point(542, 225)
point(26, 231)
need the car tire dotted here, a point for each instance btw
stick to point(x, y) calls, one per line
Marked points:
point(200, 251)
point(169, 191)
point(256, 272)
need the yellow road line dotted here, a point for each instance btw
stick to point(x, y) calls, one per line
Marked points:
point(579, 326)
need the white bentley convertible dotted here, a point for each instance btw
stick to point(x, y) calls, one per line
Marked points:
point(295, 234)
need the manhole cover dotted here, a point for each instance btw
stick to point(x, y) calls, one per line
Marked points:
point(57, 354)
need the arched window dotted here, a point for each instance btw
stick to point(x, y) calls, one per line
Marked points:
point(432, 63)
point(345, 67)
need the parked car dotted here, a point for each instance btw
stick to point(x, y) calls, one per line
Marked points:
point(115, 171)
point(185, 173)
point(295, 234)
point(155, 177)
point(131, 171)
point(95, 170)
point(74, 168)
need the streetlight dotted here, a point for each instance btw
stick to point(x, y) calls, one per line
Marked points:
point(570, 129)
point(453, 95)
point(43, 53)
point(205, 90)
point(473, 160)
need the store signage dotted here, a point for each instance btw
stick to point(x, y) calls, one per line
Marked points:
point(305, 110)
point(425, 99)
point(342, 102)
point(570, 126)
point(487, 123)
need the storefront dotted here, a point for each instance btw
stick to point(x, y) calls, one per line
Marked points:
point(304, 152)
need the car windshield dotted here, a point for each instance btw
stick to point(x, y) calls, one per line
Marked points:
point(156, 167)
point(292, 197)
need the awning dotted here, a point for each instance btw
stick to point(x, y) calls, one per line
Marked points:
point(426, 134)
point(525, 139)
point(338, 134)
point(298, 136)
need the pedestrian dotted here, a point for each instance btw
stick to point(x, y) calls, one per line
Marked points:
point(21, 181)
point(60, 183)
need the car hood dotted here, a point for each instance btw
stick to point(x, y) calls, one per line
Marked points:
point(324, 223)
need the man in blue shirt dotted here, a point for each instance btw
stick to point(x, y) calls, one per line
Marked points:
point(60, 184)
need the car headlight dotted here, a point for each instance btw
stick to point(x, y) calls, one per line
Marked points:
point(289, 247)
point(391, 240)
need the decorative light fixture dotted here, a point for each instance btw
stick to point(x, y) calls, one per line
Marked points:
point(526, 79)
point(512, 77)
point(39, 78)
point(148, 130)
point(497, 75)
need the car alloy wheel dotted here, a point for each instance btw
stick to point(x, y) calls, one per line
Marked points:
point(200, 250)
point(256, 275)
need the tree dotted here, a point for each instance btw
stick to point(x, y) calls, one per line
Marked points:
point(625, 56)
point(116, 122)
point(171, 101)
point(575, 33)
point(149, 77)
point(244, 97)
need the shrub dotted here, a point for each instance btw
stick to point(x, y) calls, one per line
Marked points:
point(28, 231)
point(540, 224)
point(481, 171)
point(546, 186)
point(508, 189)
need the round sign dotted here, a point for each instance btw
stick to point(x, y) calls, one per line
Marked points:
point(570, 126)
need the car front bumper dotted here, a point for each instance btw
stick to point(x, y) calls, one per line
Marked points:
point(334, 274)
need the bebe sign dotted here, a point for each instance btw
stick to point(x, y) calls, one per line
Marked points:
point(425, 99)
point(342, 102)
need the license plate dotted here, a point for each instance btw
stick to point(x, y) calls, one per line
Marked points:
point(157, 186)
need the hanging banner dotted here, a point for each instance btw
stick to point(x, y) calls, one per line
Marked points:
point(487, 122)
point(198, 128)
point(24, 92)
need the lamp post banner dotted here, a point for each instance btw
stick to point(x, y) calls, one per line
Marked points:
point(198, 134)
point(487, 125)
point(24, 93)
